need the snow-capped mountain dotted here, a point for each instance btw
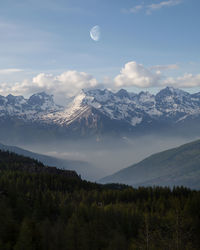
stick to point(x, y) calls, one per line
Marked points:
point(102, 111)
point(33, 108)
point(170, 105)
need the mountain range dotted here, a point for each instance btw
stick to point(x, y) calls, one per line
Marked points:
point(99, 112)
point(179, 166)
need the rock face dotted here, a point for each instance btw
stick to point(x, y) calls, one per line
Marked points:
point(98, 111)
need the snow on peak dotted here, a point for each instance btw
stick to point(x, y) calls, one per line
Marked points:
point(136, 120)
point(100, 95)
point(173, 91)
point(31, 108)
point(40, 98)
point(145, 97)
point(78, 100)
point(131, 108)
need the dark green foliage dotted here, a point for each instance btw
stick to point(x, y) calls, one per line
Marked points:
point(54, 211)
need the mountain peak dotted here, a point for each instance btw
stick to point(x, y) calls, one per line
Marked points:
point(15, 99)
point(109, 109)
point(171, 90)
point(10, 96)
point(122, 93)
point(40, 98)
point(43, 95)
point(144, 93)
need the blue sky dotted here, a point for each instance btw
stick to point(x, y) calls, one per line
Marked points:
point(157, 41)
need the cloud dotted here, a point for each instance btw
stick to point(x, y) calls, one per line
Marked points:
point(137, 8)
point(157, 6)
point(149, 8)
point(9, 71)
point(69, 83)
point(165, 67)
point(61, 86)
point(134, 74)
point(185, 81)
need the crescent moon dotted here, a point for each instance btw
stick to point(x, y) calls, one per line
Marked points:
point(95, 33)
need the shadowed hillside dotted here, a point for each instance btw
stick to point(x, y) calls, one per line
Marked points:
point(46, 208)
point(174, 167)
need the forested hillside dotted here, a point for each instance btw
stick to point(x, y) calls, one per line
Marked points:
point(174, 167)
point(44, 209)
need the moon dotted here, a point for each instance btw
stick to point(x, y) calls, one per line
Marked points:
point(95, 33)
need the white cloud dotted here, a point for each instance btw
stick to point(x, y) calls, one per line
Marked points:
point(157, 6)
point(149, 8)
point(9, 71)
point(69, 83)
point(134, 74)
point(185, 81)
point(165, 67)
point(61, 86)
point(137, 8)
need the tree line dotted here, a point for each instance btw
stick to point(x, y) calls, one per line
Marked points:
point(41, 210)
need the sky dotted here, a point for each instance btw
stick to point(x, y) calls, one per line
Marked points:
point(144, 45)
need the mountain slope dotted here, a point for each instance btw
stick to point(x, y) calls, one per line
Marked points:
point(98, 112)
point(14, 162)
point(46, 208)
point(177, 166)
point(169, 106)
point(81, 167)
